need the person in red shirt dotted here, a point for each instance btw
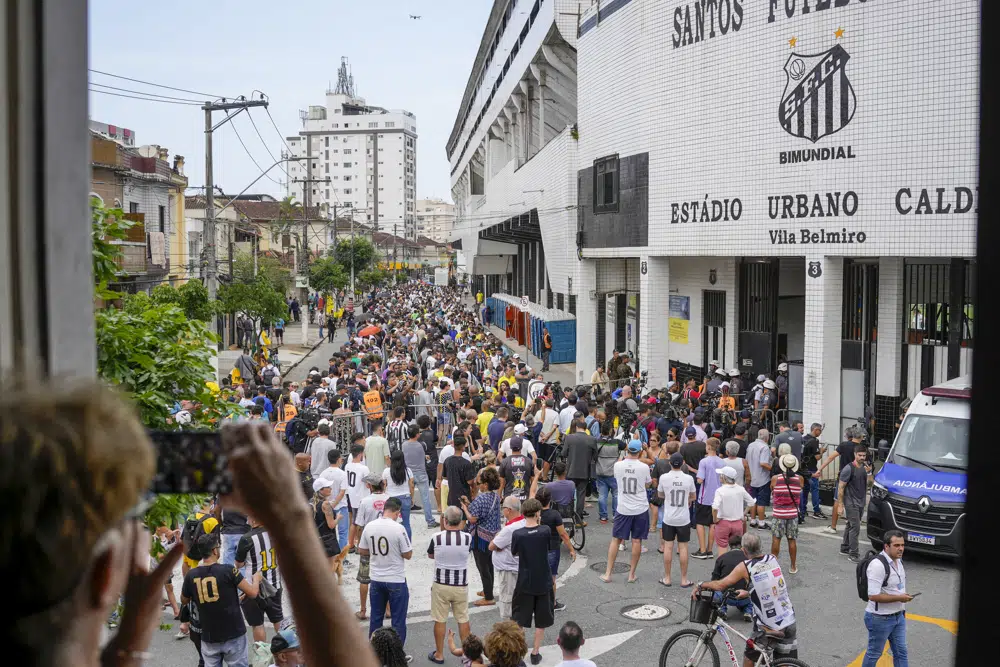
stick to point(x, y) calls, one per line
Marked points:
point(786, 492)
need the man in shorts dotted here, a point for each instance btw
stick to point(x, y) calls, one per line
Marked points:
point(356, 490)
point(534, 600)
point(676, 488)
point(256, 548)
point(759, 462)
point(371, 508)
point(632, 519)
point(450, 550)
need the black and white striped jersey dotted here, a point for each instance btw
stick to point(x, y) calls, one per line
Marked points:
point(395, 433)
point(256, 549)
point(450, 549)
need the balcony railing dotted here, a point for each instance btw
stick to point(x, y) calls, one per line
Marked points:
point(137, 232)
point(133, 259)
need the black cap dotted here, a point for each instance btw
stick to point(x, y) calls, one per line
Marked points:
point(676, 460)
point(516, 443)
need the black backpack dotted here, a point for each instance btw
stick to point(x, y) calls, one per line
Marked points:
point(861, 573)
point(267, 375)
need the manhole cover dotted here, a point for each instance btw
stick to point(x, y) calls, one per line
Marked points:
point(619, 568)
point(645, 612)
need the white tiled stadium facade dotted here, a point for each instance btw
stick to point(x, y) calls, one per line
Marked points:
point(796, 178)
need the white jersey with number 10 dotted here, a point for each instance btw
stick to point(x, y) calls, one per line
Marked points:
point(632, 477)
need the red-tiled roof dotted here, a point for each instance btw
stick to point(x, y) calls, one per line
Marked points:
point(256, 210)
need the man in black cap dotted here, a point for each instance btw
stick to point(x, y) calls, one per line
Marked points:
point(516, 471)
point(740, 438)
point(285, 649)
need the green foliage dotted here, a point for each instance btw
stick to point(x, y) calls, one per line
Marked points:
point(271, 268)
point(107, 225)
point(160, 356)
point(156, 349)
point(328, 275)
point(170, 510)
point(257, 299)
point(191, 297)
point(373, 278)
point(136, 304)
point(362, 250)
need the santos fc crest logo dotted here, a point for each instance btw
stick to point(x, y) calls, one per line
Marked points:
point(818, 99)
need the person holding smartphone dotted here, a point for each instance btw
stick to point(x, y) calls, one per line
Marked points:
point(885, 613)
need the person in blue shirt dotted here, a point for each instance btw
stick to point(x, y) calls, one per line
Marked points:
point(263, 401)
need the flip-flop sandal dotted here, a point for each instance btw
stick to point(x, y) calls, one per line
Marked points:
point(430, 656)
point(607, 581)
point(361, 617)
point(687, 585)
point(632, 581)
point(663, 583)
point(660, 551)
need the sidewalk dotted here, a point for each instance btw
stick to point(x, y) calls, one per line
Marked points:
point(564, 373)
point(291, 353)
point(317, 355)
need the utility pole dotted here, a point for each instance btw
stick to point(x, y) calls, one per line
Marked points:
point(395, 226)
point(302, 264)
point(304, 253)
point(211, 270)
point(352, 254)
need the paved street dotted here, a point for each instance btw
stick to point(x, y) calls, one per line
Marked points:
point(829, 615)
point(828, 612)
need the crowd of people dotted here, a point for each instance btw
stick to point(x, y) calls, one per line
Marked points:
point(424, 409)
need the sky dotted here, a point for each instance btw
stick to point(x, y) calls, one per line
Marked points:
point(290, 50)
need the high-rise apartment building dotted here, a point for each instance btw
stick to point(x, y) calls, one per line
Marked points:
point(435, 219)
point(364, 160)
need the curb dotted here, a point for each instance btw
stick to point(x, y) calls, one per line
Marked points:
point(302, 358)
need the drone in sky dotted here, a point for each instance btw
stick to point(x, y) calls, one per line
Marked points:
point(415, 17)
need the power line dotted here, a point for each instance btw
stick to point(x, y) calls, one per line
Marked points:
point(259, 136)
point(250, 155)
point(280, 135)
point(142, 92)
point(158, 85)
point(147, 99)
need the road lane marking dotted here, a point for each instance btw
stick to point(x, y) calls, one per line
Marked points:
point(885, 660)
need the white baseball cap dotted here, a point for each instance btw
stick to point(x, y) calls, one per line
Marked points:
point(728, 472)
point(322, 483)
point(520, 429)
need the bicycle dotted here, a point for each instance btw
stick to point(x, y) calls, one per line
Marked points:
point(705, 611)
point(574, 527)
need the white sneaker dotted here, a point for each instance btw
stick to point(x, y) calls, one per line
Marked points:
point(645, 550)
point(621, 547)
point(830, 530)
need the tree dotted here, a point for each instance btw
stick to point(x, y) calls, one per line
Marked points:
point(258, 300)
point(155, 352)
point(271, 268)
point(362, 250)
point(373, 278)
point(107, 225)
point(191, 297)
point(327, 275)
